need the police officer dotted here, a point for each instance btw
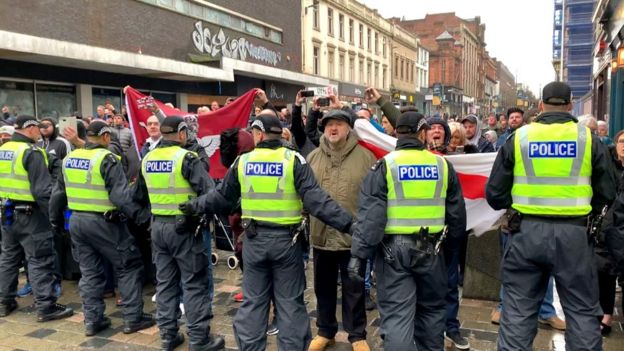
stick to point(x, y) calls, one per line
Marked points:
point(554, 173)
point(171, 175)
point(405, 203)
point(25, 184)
point(94, 188)
point(272, 181)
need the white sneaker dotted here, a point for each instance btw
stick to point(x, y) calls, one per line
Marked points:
point(182, 308)
point(154, 298)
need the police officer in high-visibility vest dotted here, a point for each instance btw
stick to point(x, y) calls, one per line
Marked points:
point(171, 175)
point(555, 174)
point(94, 188)
point(406, 201)
point(274, 184)
point(25, 184)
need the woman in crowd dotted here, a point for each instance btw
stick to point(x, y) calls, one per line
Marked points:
point(458, 144)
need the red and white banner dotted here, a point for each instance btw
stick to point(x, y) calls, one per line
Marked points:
point(208, 126)
point(472, 170)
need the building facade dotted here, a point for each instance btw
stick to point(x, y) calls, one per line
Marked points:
point(457, 52)
point(78, 54)
point(349, 44)
point(403, 86)
point(506, 87)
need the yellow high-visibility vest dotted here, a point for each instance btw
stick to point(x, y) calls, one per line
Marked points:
point(14, 183)
point(417, 183)
point(84, 184)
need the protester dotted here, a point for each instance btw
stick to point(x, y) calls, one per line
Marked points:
point(153, 129)
point(603, 133)
point(387, 126)
point(473, 134)
point(492, 124)
point(5, 133)
point(439, 135)
point(123, 133)
point(214, 106)
point(51, 141)
point(458, 139)
point(491, 136)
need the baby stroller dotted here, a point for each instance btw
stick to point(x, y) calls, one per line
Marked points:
point(224, 240)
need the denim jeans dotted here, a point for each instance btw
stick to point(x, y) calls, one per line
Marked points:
point(368, 278)
point(547, 309)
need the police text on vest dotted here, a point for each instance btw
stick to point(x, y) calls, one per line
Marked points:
point(552, 149)
point(6, 155)
point(271, 169)
point(418, 172)
point(159, 166)
point(78, 163)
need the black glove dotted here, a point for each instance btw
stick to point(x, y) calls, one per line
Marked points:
point(356, 269)
point(189, 208)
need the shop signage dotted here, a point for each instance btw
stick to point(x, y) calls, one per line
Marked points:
point(217, 43)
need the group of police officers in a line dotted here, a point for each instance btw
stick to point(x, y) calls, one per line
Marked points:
point(408, 203)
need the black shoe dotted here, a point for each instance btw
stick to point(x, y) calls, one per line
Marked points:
point(6, 310)
point(56, 311)
point(215, 342)
point(459, 341)
point(96, 327)
point(146, 321)
point(171, 344)
point(370, 303)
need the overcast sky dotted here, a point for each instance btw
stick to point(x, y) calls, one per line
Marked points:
point(518, 33)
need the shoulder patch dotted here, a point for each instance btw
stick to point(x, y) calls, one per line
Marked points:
point(377, 164)
point(190, 156)
point(111, 158)
point(301, 158)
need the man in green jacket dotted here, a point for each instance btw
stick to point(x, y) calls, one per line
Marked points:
point(340, 165)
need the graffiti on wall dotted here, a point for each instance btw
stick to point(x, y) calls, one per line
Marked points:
point(218, 43)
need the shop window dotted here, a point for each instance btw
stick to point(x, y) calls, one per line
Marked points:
point(102, 96)
point(55, 100)
point(18, 96)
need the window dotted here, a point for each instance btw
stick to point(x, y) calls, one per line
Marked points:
point(443, 71)
point(368, 73)
point(315, 17)
point(376, 44)
point(351, 31)
point(383, 78)
point(18, 96)
point(330, 64)
point(402, 69)
point(361, 68)
point(361, 35)
point(351, 69)
point(383, 46)
point(341, 67)
point(377, 75)
point(396, 67)
point(58, 100)
point(368, 39)
point(101, 96)
point(315, 59)
point(330, 22)
point(341, 26)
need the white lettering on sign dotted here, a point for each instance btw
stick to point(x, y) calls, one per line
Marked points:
point(552, 149)
point(6, 155)
point(159, 166)
point(238, 49)
point(418, 172)
point(78, 163)
point(273, 169)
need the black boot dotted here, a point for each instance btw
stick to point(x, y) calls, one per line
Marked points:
point(56, 311)
point(171, 344)
point(6, 310)
point(146, 321)
point(96, 327)
point(215, 343)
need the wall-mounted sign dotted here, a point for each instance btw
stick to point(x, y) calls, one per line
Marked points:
point(219, 44)
point(325, 91)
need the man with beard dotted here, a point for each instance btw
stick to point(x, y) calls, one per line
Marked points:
point(473, 134)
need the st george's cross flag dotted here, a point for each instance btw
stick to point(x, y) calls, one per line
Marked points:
point(208, 126)
point(472, 170)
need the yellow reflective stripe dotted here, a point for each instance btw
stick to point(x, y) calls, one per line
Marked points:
point(413, 222)
point(417, 202)
point(13, 177)
point(89, 201)
point(97, 187)
point(538, 201)
point(6, 189)
point(171, 191)
point(272, 213)
point(173, 207)
point(270, 196)
point(544, 180)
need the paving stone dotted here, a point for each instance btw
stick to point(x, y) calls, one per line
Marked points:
point(41, 333)
point(95, 343)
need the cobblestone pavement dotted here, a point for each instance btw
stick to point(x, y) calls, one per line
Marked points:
point(20, 331)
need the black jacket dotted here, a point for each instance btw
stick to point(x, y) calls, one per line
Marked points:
point(372, 210)
point(114, 182)
point(297, 128)
point(193, 170)
point(40, 177)
point(498, 189)
point(315, 200)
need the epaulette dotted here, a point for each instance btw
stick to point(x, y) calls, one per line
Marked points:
point(377, 164)
point(301, 158)
point(112, 158)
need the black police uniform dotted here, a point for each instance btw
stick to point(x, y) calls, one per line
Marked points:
point(181, 257)
point(546, 246)
point(31, 237)
point(273, 263)
point(411, 290)
point(94, 238)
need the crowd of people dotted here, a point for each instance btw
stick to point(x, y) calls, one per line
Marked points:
point(299, 181)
